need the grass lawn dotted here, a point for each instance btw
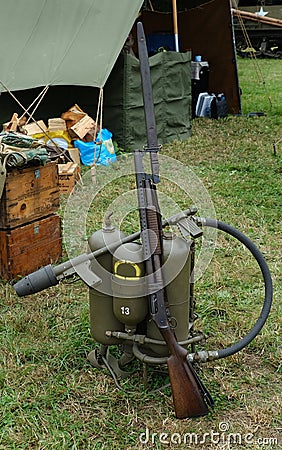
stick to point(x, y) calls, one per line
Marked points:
point(51, 398)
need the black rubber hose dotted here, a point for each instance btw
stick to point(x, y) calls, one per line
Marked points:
point(267, 282)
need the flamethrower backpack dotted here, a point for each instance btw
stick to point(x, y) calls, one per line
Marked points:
point(148, 307)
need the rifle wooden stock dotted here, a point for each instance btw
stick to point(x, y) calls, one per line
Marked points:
point(188, 397)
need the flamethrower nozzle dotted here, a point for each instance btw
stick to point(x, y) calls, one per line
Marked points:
point(36, 281)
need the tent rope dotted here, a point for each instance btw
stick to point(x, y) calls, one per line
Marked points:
point(99, 115)
point(99, 111)
point(23, 108)
point(26, 111)
point(40, 97)
point(252, 54)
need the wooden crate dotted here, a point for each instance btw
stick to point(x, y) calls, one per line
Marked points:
point(29, 194)
point(68, 175)
point(26, 248)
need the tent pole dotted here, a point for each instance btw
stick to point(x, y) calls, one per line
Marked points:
point(175, 25)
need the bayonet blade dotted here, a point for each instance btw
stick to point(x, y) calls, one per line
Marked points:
point(150, 120)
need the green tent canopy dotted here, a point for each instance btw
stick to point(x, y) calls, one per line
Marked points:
point(75, 48)
point(62, 42)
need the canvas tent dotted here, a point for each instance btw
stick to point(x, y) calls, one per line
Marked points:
point(171, 81)
point(75, 48)
point(69, 46)
point(204, 28)
point(62, 42)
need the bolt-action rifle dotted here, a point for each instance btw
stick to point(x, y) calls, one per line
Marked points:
point(190, 397)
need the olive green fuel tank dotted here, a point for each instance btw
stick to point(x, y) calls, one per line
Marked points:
point(102, 317)
point(129, 303)
point(176, 274)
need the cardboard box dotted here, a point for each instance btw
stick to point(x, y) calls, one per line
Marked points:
point(29, 194)
point(26, 248)
point(69, 174)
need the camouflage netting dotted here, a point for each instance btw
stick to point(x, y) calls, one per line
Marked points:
point(18, 150)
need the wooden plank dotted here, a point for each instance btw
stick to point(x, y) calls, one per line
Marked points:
point(56, 124)
point(75, 155)
point(83, 126)
point(35, 127)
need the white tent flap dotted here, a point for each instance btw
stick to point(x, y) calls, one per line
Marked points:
point(62, 42)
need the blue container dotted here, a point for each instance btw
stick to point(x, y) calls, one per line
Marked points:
point(158, 41)
point(98, 153)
